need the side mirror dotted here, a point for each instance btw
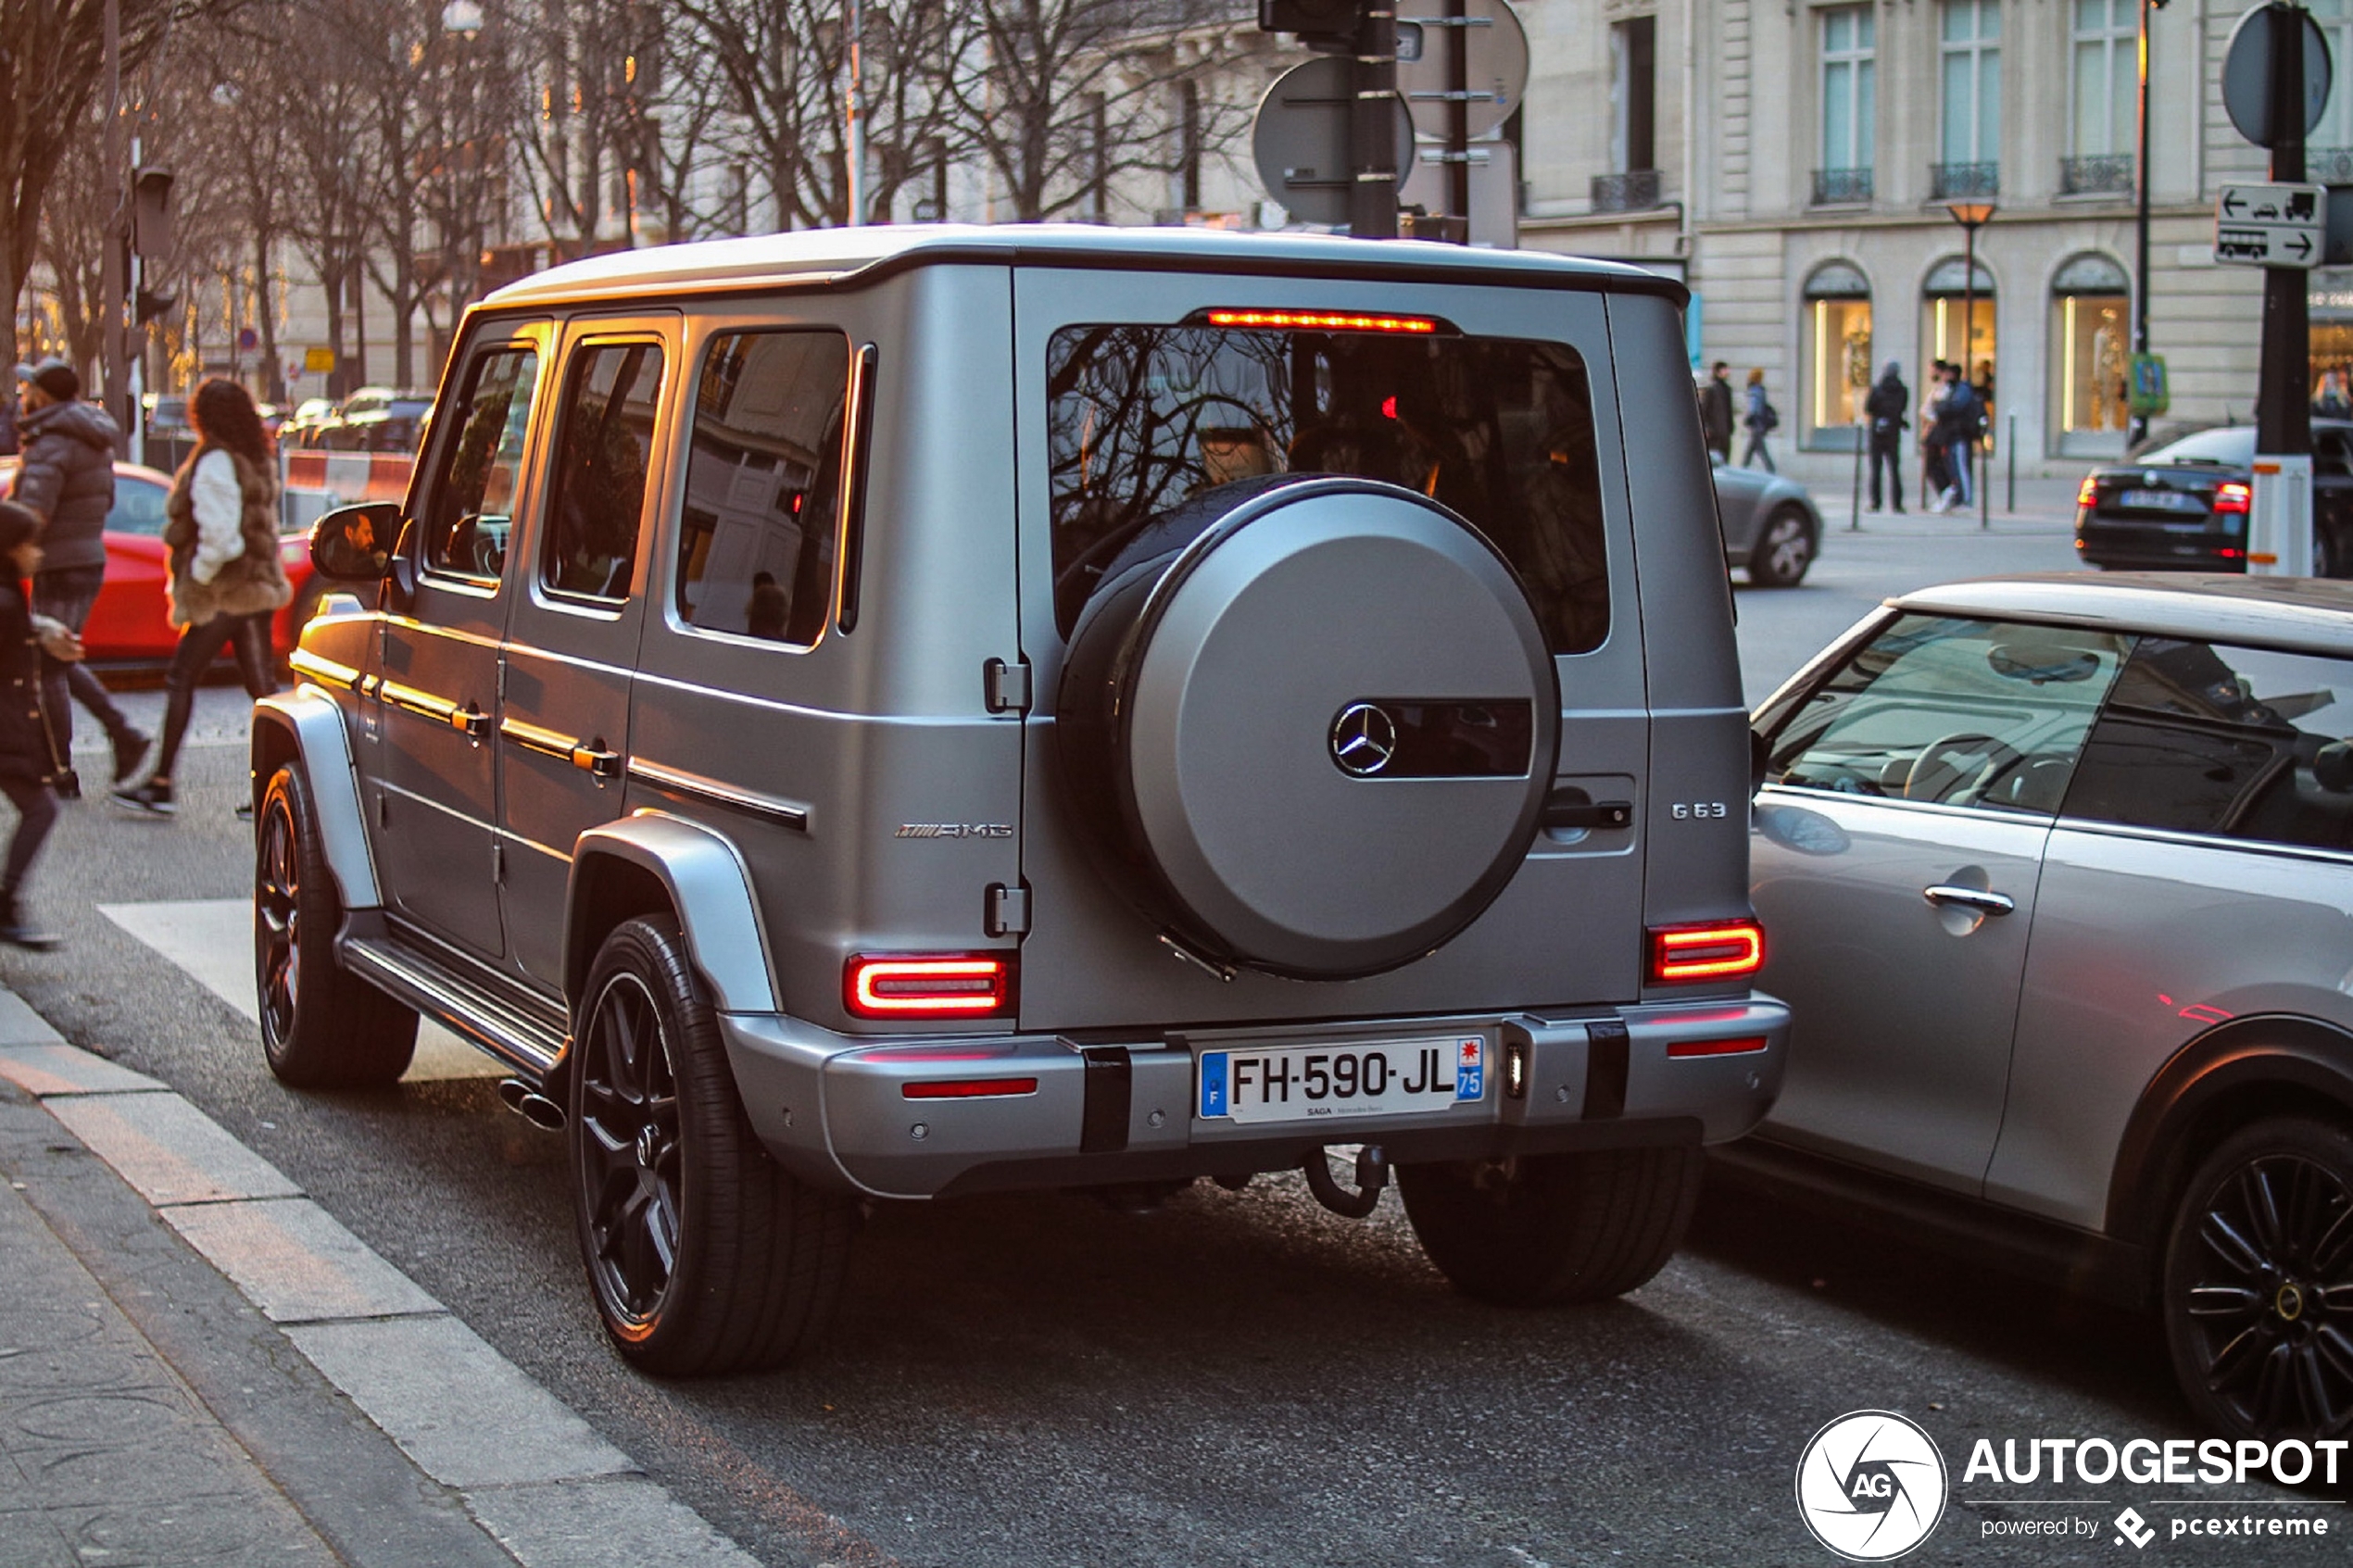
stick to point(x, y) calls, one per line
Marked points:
point(1760, 758)
point(354, 543)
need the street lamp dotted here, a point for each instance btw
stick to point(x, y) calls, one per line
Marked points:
point(1972, 217)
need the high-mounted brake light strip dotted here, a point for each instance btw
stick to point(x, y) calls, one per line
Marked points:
point(1324, 320)
point(946, 985)
point(1717, 951)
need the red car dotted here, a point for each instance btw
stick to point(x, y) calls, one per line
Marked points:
point(128, 626)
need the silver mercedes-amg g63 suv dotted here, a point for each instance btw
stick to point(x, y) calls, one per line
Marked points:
point(904, 712)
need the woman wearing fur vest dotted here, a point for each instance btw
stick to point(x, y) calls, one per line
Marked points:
point(221, 523)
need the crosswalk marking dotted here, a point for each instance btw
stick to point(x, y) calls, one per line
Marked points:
point(211, 940)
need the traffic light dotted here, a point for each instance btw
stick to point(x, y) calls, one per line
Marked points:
point(151, 305)
point(151, 213)
point(1320, 24)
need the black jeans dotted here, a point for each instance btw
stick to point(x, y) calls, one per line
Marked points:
point(248, 635)
point(36, 814)
point(66, 596)
point(1888, 449)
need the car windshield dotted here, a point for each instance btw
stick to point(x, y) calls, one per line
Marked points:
point(2230, 446)
point(1501, 431)
point(138, 507)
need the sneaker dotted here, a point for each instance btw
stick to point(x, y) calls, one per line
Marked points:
point(66, 784)
point(151, 798)
point(17, 932)
point(130, 750)
point(245, 808)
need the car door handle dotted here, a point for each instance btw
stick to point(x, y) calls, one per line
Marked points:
point(596, 760)
point(1982, 902)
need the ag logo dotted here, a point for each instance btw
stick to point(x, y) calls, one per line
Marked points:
point(1870, 1485)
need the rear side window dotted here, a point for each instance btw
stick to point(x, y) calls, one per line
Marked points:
point(764, 485)
point(1141, 417)
point(470, 509)
point(2241, 743)
point(604, 447)
point(1952, 711)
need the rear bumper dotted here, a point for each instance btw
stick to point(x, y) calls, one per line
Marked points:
point(834, 1108)
point(2190, 546)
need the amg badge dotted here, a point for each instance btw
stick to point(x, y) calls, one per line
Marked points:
point(954, 830)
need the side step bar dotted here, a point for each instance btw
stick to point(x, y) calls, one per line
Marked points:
point(528, 1043)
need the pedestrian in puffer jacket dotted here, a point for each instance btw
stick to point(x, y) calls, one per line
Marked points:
point(221, 523)
point(68, 480)
point(25, 639)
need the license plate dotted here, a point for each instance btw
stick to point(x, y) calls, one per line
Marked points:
point(1259, 1084)
point(2161, 501)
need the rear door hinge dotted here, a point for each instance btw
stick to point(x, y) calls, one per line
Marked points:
point(1006, 686)
point(498, 863)
point(1008, 912)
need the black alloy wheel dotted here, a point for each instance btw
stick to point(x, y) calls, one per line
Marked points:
point(322, 1027)
point(630, 1180)
point(2258, 1283)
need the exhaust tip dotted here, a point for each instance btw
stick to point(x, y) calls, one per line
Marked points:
point(531, 1105)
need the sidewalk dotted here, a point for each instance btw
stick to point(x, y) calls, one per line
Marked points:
point(2043, 506)
point(199, 1364)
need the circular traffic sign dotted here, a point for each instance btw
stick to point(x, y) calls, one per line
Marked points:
point(1300, 140)
point(2246, 72)
point(1495, 66)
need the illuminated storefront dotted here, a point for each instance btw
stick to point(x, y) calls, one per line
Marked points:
point(2091, 343)
point(1837, 356)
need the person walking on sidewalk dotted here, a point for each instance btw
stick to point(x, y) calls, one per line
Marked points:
point(1886, 405)
point(1716, 412)
point(26, 640)
point(1761, 419)
point(68, 482)
point(220, 525)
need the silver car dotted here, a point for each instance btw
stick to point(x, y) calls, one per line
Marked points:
point(2056, 874)
point(1772, 527)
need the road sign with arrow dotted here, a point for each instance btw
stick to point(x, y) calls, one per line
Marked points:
point(2270, 225)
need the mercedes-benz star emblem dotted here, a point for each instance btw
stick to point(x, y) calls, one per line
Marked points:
point(1363, 739)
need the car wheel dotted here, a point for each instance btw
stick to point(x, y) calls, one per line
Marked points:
point(704, 1255)
point(322, 1027)
point(1541, 1229)
point(1784, 549)
point(2258, 1283)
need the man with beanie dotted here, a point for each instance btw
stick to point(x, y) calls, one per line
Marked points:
point(68, 482)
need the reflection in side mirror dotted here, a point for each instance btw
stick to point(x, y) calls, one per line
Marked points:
point(354, 543)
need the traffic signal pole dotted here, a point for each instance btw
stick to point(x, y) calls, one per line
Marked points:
point(1372, 205)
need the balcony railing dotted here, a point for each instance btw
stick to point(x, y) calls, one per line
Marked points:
point(1633, 191)
point(2329, 165)
point(1835, 187)
point(1946, 181)
point(2108, 174)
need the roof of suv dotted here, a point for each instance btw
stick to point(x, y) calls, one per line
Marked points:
point(2296, 612)
point(831, 255)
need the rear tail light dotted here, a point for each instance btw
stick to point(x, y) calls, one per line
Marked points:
point(1723, 950)
point(2089, 492)
point(1741, 1047)
point(929, 985)
point(1325, 321)
point(2231, 499)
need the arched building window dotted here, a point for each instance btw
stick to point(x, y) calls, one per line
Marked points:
point(1945, 300)
point(1835, 358)
point(2092, 343)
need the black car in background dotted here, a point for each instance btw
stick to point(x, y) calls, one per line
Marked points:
point(2184, 504)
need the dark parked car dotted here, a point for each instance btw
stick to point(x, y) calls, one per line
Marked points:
point(376, 419)
point(2184, 504)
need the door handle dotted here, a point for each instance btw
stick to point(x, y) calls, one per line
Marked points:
point(1983, 902)
point(596, 760)
point(469, 721)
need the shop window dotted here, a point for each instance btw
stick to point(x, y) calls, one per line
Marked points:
point(2329, 299)
point(1836, 356)
point(1953, 326)
point(2092, 343)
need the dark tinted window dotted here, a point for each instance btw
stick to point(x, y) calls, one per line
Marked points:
point(596, 489)
point(138, 507)
point(1955, 712)
point(1141, 417)
point(764, 485)
point(2231, 447)
point(469, 511)
point(2241, 742)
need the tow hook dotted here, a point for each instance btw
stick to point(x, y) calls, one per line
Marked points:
point(1372, 1174)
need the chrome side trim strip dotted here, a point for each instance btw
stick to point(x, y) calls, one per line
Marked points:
point(694, 786)
point(320, 668)
point(531, 737)
point(504, 1037)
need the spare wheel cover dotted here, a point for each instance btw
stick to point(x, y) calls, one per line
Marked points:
point(1338, 722)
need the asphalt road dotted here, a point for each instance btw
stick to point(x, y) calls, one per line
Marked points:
point(1239, 1378)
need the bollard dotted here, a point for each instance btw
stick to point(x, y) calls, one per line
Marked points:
point(1855, 501)
point(2009, 501)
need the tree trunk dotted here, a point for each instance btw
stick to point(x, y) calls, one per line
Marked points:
point(273, 373)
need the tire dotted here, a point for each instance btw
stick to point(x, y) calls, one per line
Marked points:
point(703, 1255)
point(322, 1027)
point(1545, 1229)
point(1784, 549)
point(2257, 1295)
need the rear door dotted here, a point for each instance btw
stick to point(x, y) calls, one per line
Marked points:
point(1896, 855)
point(1213, 405)
point(437, 784)
point(578, 610)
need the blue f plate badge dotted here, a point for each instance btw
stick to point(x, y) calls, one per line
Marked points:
point(1257, 1086)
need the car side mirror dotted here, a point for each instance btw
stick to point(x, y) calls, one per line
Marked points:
point(1760, 758)
point(355, 544)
